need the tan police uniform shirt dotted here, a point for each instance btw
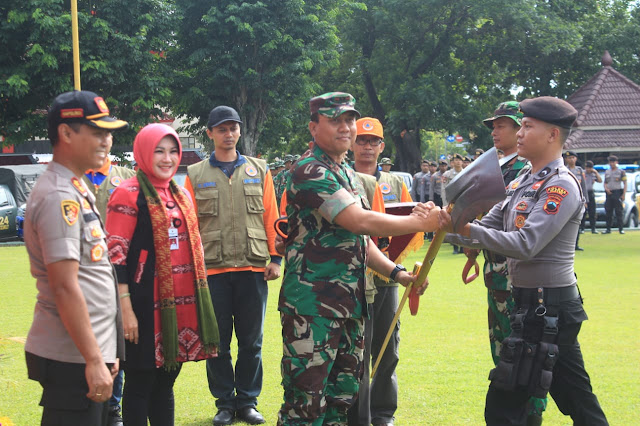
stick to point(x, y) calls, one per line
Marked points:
point(62, 223)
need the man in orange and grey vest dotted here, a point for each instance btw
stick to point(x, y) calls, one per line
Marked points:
point(378, 402)
point(236, 207)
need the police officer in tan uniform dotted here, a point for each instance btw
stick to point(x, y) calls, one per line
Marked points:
point(615, 185)
point(536, 227)
point(75, 341)
point(102, 182)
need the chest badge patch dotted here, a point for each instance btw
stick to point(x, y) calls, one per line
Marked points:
point(79, 186)
point(86, 205)
point(96, 232)
point(537, 185)
point(96, 252)
point(522, 206)
point(520, 221)
point(515, 184)
point(70, 211)
point(116, 181)
point(251, 171)
point(385, 188)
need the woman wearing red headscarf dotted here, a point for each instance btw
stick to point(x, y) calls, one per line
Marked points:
point(155, 245)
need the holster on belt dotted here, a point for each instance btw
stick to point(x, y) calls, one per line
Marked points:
point(526, 364)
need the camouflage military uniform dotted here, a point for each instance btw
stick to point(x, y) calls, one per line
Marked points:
point(279, 184)
point(322, 301)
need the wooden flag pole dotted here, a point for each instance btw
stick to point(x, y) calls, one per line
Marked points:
point(76, 44)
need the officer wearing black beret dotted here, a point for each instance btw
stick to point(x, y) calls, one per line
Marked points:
point(536, 227)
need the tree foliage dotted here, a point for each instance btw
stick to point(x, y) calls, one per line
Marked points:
point(121, 48)
point(254, 56)
point(423, 67)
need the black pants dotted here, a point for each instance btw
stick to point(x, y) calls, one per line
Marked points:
point(437, 200)
point(64, 393)
point(570, 387)
point(611, 204)
point(591, 210)
point(148, 394)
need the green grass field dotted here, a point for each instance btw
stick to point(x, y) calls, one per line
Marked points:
point(444, 360)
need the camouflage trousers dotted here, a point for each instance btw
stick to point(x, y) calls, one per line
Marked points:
point(321, 368)
point(501, 303)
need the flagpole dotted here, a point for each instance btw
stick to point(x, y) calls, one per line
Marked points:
point(76, 44)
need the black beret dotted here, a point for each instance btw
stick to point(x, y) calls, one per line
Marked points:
point(550, 110)
point(570, 154)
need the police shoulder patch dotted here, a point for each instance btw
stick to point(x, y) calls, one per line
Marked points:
point(79, 186)
point(557, 190)
point(552, 205)
point(70, 211)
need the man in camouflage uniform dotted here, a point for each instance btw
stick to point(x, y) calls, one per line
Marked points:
point(504, 126)
point(322, 299)
point(280, 180)
point(385, 164)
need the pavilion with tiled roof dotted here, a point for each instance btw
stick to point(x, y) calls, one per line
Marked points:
point(608, 116)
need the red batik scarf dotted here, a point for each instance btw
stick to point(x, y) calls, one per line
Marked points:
point(207, 324)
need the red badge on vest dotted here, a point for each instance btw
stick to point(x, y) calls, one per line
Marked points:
point(520, 220)
point(522, 206)
point(251, 171)
point(385, 188)
point(70, 211)
point(79, 186)
point(96, 252)
point(116, 181)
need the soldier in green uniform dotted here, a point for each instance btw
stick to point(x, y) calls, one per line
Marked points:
point(504, 126)
point(322, 300)
point(280, 180)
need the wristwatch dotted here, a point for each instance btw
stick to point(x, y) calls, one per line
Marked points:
point(398, 268)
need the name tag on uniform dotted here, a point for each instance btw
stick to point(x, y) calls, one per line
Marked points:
point(173, 238)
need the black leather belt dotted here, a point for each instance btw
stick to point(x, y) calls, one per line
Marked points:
point(493, 257)
point(552, 296)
